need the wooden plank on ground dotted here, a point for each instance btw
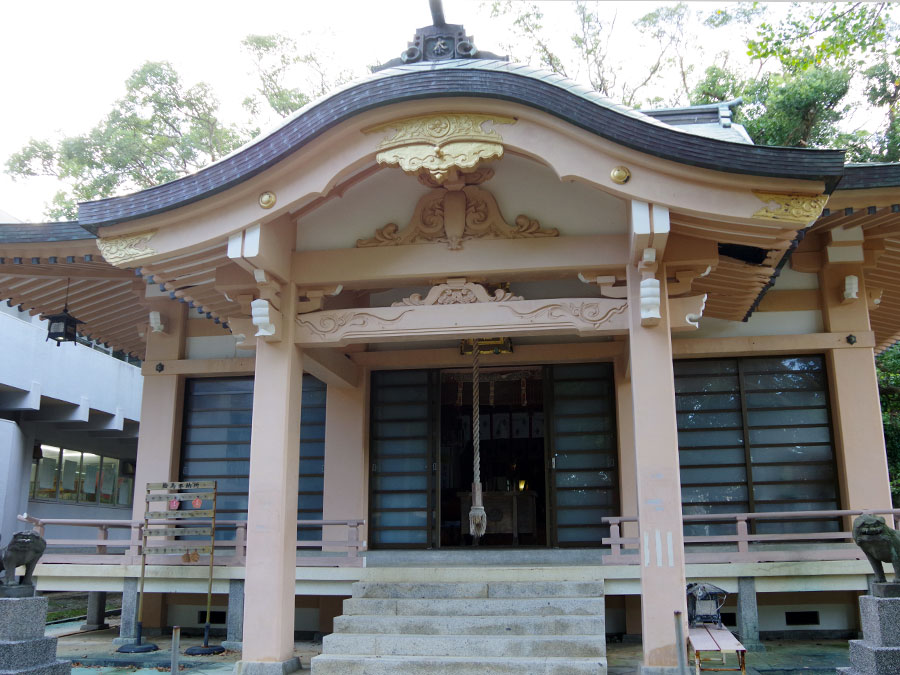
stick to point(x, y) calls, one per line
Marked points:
point(726, 641)
point(702, 641)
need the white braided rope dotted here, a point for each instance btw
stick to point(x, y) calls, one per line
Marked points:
point(476, 416)
point(477, 515)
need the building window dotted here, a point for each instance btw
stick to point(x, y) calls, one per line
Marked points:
point(754, 435)
point(73, 476)
point(218, 415)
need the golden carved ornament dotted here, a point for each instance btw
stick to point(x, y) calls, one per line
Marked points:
point(435, 144)
point(455, 216)
point(267, 199)
point(791, 208)
point(127, 248)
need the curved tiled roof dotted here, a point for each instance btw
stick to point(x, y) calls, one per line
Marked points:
point(525, 85)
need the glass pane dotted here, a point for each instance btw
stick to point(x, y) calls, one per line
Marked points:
point(90, 481)
point(33, 481)
point(48, 472)
point(109, 475)
point(70, 476)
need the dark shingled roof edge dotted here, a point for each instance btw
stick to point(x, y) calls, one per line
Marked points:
point(866, 176)
point(626, 130)
point(30, 233)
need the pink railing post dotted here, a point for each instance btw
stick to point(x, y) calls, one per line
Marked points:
point(104, 534)
point(240, 543)
point(352, 539)
point(614, 535)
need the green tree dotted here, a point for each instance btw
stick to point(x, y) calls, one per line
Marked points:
point(277, 60)
point(799, 109)
point(816, 33)
point(888, 369)
point(158, 131)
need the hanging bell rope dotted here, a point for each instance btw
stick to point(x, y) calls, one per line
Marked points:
point(477, 516)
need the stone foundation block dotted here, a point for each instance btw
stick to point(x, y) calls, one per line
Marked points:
point(872, 660)
point(55, 668)
point(22, 618)
point(880, 620)
point(27, 653)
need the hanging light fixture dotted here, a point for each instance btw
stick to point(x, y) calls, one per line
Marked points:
point(63, 327)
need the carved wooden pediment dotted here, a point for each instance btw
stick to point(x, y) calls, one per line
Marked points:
point(457, 292)
point(455, 216)
point(126, 248)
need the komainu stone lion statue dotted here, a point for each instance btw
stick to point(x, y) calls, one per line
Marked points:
point(26, 548)
point(880, 544)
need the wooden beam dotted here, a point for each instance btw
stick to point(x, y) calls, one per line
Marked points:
point(63, 271)
point(769, 344)
point(586, 317)
point(574, 352)
point(486, 259)
point(200, 367)
point(331, 366)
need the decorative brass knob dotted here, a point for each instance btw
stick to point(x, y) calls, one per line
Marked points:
point(267, 200)
point(620, 175)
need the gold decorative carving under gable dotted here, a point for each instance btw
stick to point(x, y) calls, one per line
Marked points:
point(127, 248)
point(792, 208)
point(457, 293)
point(435, 144)
point(455, 216)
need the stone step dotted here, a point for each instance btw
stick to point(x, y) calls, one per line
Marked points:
point(336, 664)
point(477, 607)
point(495, 589)
point(454, 645)
point(471, 625)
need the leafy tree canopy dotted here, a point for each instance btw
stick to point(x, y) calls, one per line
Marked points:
point(158, 131)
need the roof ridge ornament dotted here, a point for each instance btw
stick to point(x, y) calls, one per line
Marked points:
point(441, 41)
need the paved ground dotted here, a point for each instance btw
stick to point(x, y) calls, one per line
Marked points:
point(94, 654)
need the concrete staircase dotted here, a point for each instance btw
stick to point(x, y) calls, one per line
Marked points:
point(452, 628)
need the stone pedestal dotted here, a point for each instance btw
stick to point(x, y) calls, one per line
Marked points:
point(23, 648)
point(878, 653)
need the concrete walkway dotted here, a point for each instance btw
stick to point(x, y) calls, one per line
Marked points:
point(94, 654)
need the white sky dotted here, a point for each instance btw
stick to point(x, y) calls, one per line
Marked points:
point(63, 63)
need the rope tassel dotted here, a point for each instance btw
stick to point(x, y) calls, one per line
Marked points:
point(477, 516)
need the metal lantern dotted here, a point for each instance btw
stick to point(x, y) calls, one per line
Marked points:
point(63, 327)
point(704, 603)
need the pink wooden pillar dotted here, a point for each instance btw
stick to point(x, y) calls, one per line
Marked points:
point(344, 494)
point(272, 513)
point(855, 404)
point(625, 426)
point(162, 401)
point(658, 482)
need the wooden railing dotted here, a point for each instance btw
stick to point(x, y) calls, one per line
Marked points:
point(746, 546)
point(126, 550)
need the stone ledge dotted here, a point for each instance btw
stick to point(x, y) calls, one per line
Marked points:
point(292, 665)
point(873, 660)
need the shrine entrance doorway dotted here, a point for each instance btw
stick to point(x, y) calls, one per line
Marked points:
point(513, 457)
point(549, 456)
